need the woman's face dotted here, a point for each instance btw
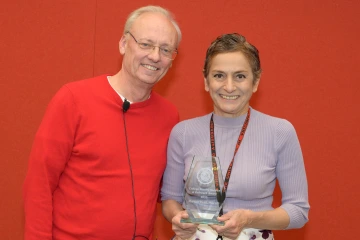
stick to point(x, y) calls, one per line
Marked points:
point(231, 84)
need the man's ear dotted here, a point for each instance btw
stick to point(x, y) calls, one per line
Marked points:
point(122, 44)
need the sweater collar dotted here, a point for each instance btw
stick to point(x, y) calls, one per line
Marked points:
point(220, 121)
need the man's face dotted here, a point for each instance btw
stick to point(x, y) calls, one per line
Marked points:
point(147, 67)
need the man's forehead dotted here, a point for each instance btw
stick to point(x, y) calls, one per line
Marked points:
point(150, 25)
point(152, 18)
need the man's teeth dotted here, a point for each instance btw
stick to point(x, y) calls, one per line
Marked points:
point(150, 67)
point(229, 97)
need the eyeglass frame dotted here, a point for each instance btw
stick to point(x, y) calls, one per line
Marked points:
point(150, 46)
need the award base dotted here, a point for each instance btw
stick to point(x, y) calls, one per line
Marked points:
point(202, 218)
point(202, 221)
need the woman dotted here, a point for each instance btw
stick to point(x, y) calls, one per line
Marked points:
point(266, 149)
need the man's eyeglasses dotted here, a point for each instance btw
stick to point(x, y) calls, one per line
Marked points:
point(164, 51)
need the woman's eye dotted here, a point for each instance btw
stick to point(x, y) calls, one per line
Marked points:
point(240, 76)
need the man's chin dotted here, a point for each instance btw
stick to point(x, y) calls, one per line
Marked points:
point(150, 81)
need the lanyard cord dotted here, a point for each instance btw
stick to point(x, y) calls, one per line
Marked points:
point(221, 195)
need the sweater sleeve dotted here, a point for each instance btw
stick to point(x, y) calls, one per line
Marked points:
point(173, 182)
point(291, 175)
point(51, 149)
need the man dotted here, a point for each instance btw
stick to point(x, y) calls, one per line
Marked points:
point(100, 152)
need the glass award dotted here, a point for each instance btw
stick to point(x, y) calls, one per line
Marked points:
point(203, 198)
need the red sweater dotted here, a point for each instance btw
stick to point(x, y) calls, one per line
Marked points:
point(78, 184)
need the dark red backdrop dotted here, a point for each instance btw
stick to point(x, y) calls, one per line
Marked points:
point(310, 56)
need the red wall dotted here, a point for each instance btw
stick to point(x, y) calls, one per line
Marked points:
point(310, 58)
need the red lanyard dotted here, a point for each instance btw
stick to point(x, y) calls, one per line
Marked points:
point(221, 196)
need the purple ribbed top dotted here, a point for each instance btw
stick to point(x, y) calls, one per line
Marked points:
point(270, 150)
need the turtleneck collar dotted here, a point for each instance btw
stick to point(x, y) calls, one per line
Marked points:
point(220, 121)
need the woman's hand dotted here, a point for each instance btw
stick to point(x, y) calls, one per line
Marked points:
point(183, 230)
point(235, 222)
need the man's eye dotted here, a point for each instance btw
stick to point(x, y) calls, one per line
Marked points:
point(218, 75)
point(145, 45)
point(165, 50)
